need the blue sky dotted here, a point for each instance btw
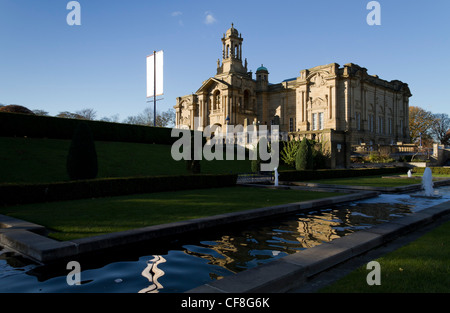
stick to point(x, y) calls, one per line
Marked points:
point(49, 65)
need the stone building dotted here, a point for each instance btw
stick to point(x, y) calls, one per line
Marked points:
point(339, 106)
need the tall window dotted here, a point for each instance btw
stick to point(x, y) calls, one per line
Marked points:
point(380, 124)
point(321, 120)
point(291, 124)
point(358, 121)
point(371, 123)
point(317, 121)
point(216, 100)
point(246, 100)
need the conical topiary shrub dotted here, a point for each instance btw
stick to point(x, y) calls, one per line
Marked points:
point(304, 157)
point(256, 162)
point(82, 157)
point(193, 165)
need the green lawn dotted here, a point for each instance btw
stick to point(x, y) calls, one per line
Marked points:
point(83, 218)
point(29, 160)
point(420, 267)
point(374, 181)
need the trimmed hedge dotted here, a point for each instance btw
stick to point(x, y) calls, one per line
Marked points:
point(12, 194)
point(434, 170)
point(82, 158)
point(338, 173)
point(34, 126)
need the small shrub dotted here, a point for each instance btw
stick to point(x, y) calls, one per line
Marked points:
point(434, 170)
point(379, 158)
point(289, 152)
point(319, 159)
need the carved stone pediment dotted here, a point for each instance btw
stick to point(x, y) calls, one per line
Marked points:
point(211, 84)
point(317, 79)
point(318, 102)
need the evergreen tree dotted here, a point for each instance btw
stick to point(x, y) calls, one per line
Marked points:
point(256, 163)
point(82, 157)
point(193, 165)
point(304, 157)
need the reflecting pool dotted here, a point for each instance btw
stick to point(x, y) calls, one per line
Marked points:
point(178, 265)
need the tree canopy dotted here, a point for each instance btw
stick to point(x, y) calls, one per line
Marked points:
point(428, 127)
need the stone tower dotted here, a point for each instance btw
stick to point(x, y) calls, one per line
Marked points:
point(232, 53)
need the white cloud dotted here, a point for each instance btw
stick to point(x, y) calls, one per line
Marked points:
point(209, 19)
point(178, 14)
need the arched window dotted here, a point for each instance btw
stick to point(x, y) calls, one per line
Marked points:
point(216, 99)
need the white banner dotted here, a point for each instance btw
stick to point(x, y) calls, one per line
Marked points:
point(158, 75)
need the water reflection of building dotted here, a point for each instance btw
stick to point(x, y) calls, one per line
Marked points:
point(314, 231)
point(225, 247)
point(240, 251)
point(153, 273)
point(237, 251)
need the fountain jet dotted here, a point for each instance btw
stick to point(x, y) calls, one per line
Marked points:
point(427, 186)
point(427, 182)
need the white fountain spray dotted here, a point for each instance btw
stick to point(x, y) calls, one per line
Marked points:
point(276, 176)
point(427, 182)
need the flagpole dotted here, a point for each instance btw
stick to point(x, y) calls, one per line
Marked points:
point(154, 88)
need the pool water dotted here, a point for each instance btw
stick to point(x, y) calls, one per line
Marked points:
point(173, 266)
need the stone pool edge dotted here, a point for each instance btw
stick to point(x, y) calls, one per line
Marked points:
point(399, 189)
point(30, 239)
point(293, 271)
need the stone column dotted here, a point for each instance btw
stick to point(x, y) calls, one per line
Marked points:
point(330, 102)
point(240, 51)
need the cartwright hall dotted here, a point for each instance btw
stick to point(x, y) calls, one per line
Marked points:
point(340, 106)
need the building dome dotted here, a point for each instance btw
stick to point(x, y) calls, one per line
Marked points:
point(262, 69)
point(232, 31)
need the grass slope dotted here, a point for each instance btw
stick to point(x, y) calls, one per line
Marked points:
point(29, 160)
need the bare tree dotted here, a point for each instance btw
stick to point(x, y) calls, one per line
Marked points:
point(40, 112)
point(67, 114)
point(87, 114)
point(166, 119)
point(112, 119)
point(132, 120)
point(440, 128)
point(420, 122)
